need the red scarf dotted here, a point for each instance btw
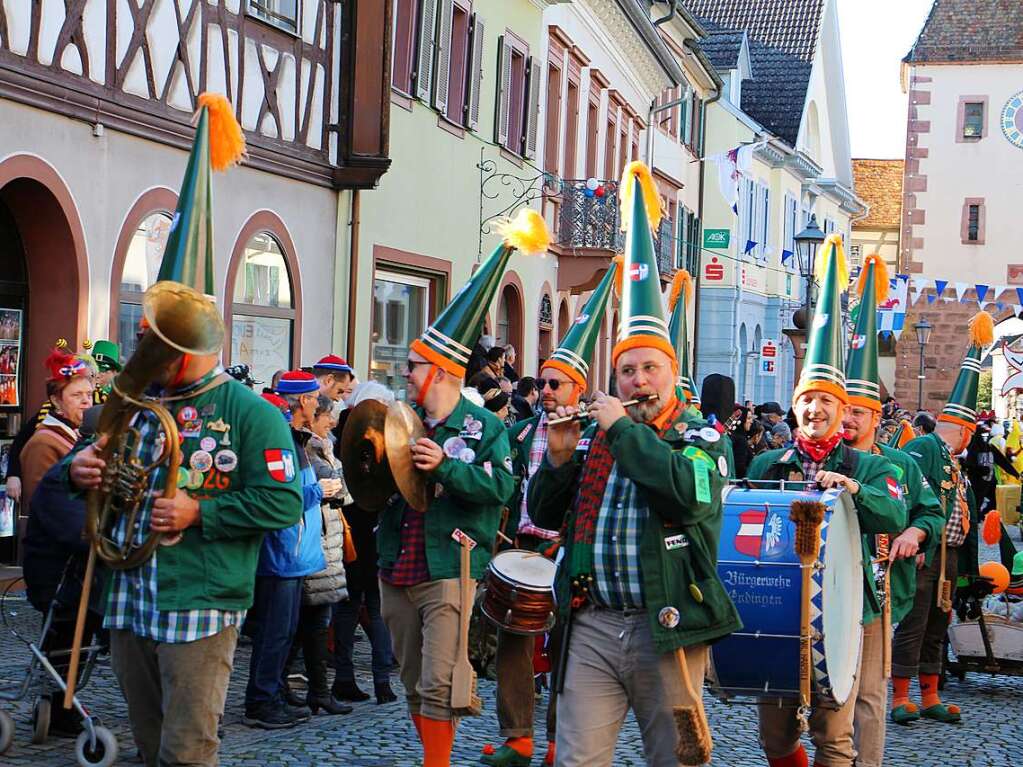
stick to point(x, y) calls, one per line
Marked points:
point(817, 449)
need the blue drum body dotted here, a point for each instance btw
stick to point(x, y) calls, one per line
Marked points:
point(759, 567)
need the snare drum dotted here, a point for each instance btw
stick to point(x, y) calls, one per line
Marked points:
point(760, 569)
point(519, 595)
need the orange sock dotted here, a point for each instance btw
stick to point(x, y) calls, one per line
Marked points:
point(438, 738)
point(417, 720)
point(797, 758)
point(521, 746)
point(900, 691)
point(929, 690)
point(548, 758)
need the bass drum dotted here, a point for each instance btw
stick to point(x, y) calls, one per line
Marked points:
point(760, 569)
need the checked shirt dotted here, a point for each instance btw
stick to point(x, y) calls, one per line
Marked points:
point(132, 604)
point(617, 570)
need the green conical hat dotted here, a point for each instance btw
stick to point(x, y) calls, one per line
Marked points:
point(823, 367)
point(642, 318)
point(961, 407)
point(218, 143)
point(574, 352)
point(678, 304)
point(448, 342)
point(862, 381)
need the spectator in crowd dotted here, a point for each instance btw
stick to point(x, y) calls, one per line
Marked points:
point(524, 399)
point(771, 413)
point(781, 435)
point(889, 408)
point(495, 399)
point(495, 362)
point(509, 363)
point(757, 442)
point(507, 386)
point(740, 441)
point(363, 588)
point(335, 377)
point(478, 358)
point(924, 423)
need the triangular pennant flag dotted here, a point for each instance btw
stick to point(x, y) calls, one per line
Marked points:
point(931, 298)
point(885, 334)
point(940, 285)
point(981, 292)
point(961, 288)
point(914, 294)
point(920, 283)
point(1016, 309)
point(785, 256)
point(897, 332)
point(749, 246)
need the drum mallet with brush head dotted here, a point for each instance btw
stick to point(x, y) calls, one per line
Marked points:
point(808, 516)
point(694, 739)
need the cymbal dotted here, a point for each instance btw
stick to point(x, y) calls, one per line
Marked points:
point(402, 427)
point(364, 457)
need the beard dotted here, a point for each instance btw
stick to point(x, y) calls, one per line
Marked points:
point(645, 412)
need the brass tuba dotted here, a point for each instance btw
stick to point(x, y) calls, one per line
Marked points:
point(180, 321)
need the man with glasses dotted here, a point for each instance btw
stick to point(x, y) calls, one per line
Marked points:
point(466, 459)
point(639, 494)
point(561, 383)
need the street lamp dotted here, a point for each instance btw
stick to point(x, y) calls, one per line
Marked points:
point(807, 243)
point(923, 334)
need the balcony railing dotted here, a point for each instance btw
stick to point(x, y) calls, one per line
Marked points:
point(665, 248)
point(589, 218)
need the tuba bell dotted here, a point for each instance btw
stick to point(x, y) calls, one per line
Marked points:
point(179, 321)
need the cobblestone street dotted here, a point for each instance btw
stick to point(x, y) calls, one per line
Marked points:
point(382, 736)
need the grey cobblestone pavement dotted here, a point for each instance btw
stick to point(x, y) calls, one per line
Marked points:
point(382, 736)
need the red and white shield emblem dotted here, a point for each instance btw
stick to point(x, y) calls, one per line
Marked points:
point(751, 530)
point(859, 341)
point(894, 489)
point(638, 272)
point(280, 463)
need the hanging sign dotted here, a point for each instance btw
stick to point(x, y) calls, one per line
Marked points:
point(717, 238)
point(768, 357)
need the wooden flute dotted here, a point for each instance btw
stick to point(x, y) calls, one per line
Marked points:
point(583, 413)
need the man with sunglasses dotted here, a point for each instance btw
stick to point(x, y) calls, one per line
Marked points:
point(561, 383)
point(639, 494)
point(466, 460)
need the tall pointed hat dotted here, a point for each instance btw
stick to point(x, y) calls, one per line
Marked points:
point(678, 328)
point(642, 318)
point(574, 352)
point(448, 342)
point(961, 407)
point(861, 377)
point(218, 144)
point(823, 367)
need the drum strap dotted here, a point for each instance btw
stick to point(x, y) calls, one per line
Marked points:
point(848, 464)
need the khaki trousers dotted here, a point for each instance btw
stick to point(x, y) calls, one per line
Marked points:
point(424, 625)
point(831, 730)
point(613, 666)
point(871, 711)
point(175, 694)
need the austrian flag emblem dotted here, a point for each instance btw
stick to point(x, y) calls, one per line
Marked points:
point(751, 530)
point(281, 464)
point(894, 489)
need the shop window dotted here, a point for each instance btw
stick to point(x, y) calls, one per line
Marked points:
point(401, 306)
point(141, 266)
point(262, 311)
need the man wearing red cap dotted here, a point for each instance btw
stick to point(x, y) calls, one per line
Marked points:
point(335, 377)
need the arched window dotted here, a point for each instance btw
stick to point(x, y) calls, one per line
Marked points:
point(141, 265)
point(509, 323)
point(263, 309)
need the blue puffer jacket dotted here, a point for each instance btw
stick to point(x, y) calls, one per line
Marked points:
point(296, 551)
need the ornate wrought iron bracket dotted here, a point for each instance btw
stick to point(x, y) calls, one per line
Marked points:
point(512, 190)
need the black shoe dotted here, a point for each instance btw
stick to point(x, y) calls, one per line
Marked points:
point(270, 718)
point(384, 693)
point(298, 713)
point(328, 703)
point(349, 691)
point(293, 699)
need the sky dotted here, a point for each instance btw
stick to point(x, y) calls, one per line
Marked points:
point(876, 35)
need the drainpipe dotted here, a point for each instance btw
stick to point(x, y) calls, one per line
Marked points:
point(669, 16)
point(699, 213)
point(353, 278)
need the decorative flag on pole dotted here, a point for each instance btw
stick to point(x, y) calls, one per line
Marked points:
point(981, 292)
point(940, 285)
point(961, 288)
point(731, 166)
point(749, 246)
point(891, 313)
point(785, 256)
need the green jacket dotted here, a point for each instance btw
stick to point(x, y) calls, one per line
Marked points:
point(214, 564)
point(924, 513)
point(680, 576)
point(877, 509)
point(937, 465)
point(467, 495)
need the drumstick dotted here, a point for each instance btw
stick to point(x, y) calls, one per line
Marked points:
point(808, 516)
point(505, 538)
point(694, 739)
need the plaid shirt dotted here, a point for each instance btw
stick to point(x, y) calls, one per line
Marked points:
point(955, 530)
point(133, 593)
point(617, 568)
point(537, 450)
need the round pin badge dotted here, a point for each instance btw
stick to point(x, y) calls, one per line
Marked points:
point(208, 444)
point(709, 434)
point(195, 480)
point(187, 413)
point(453, 446)
point(723, 466)
point(467, 455)
point(182, 477)
point(475, 425)
point(226, 461)
point(669, 617)
point(201, 461)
